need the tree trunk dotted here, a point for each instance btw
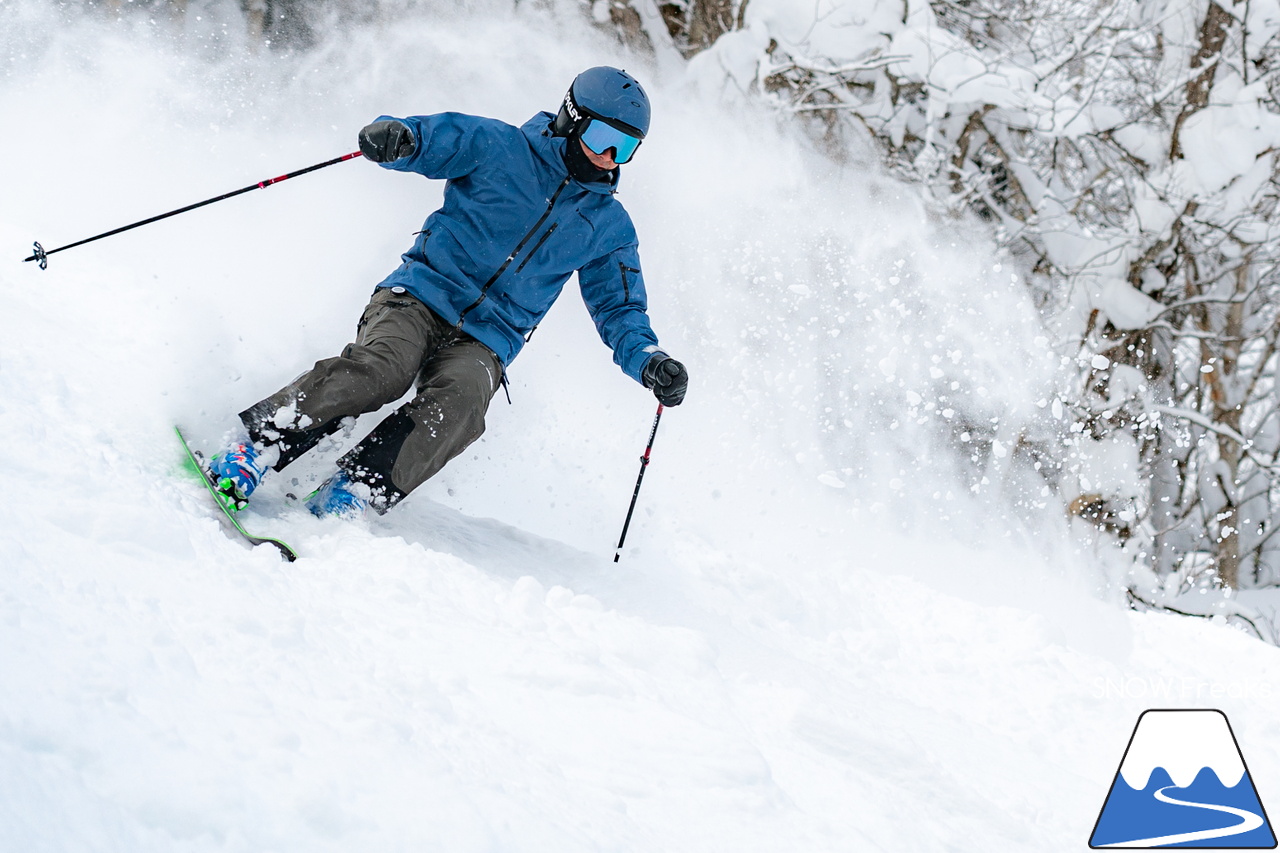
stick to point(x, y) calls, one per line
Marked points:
point(1213, 35)
point(256, 14)
point(708, 20)
point(1227, 411)
point(630, 28)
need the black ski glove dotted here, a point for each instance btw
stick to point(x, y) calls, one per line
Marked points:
point(667, 377)
point(387, 140)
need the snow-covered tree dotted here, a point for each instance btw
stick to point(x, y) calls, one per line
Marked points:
point(1126, 154)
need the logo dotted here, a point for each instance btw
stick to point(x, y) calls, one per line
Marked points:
point(571, 106)
point(1183, 783)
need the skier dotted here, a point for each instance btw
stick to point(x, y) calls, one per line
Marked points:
point(524, 208)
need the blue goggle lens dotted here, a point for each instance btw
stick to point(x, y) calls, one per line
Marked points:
point(600, 137)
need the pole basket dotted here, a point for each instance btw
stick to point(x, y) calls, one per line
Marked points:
point(39, 256)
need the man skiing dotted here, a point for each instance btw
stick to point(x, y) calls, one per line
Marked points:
point(524, 208)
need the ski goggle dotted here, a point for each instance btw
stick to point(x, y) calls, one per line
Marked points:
point(600, 137)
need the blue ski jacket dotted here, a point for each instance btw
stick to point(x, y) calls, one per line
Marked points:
point(513, 228)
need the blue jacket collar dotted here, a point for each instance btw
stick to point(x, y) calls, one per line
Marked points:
point(550, 149)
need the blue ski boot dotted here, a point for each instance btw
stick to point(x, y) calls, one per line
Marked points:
point(237, 471)
point(339, 495)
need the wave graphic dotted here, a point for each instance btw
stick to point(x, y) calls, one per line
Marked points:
point(1205, 813)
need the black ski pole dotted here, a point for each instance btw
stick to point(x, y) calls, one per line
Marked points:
point(644, 463)
point(42, 255)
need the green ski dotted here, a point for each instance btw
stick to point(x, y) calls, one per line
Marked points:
point(197, 462)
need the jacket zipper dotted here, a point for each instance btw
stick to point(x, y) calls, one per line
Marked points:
point(626, 285)
point(484, 291)
point(537, 246)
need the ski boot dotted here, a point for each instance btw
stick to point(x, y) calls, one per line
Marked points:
point(237, 471)
point(339, 495)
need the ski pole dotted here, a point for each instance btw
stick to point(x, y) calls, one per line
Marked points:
point(644, 463)
point(42, 255)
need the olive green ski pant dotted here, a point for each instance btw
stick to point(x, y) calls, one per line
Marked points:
point(400, 343)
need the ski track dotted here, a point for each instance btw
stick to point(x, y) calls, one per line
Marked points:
point(1248, 822)
point(775, 664)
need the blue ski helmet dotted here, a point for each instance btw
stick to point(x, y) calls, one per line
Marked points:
point(606, 108)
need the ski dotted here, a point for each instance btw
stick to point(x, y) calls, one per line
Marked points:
point(196, 461)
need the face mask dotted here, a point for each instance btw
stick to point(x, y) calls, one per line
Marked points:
point(580, 168)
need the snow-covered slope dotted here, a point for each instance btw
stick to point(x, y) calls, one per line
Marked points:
point(818, 637)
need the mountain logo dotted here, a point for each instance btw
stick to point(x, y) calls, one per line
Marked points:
point(1183, 783)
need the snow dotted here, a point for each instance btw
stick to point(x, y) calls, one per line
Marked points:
point(1183, 743)
point(1223, 141)
point(1108, 466)
point(826, 27)
point(818, 637)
